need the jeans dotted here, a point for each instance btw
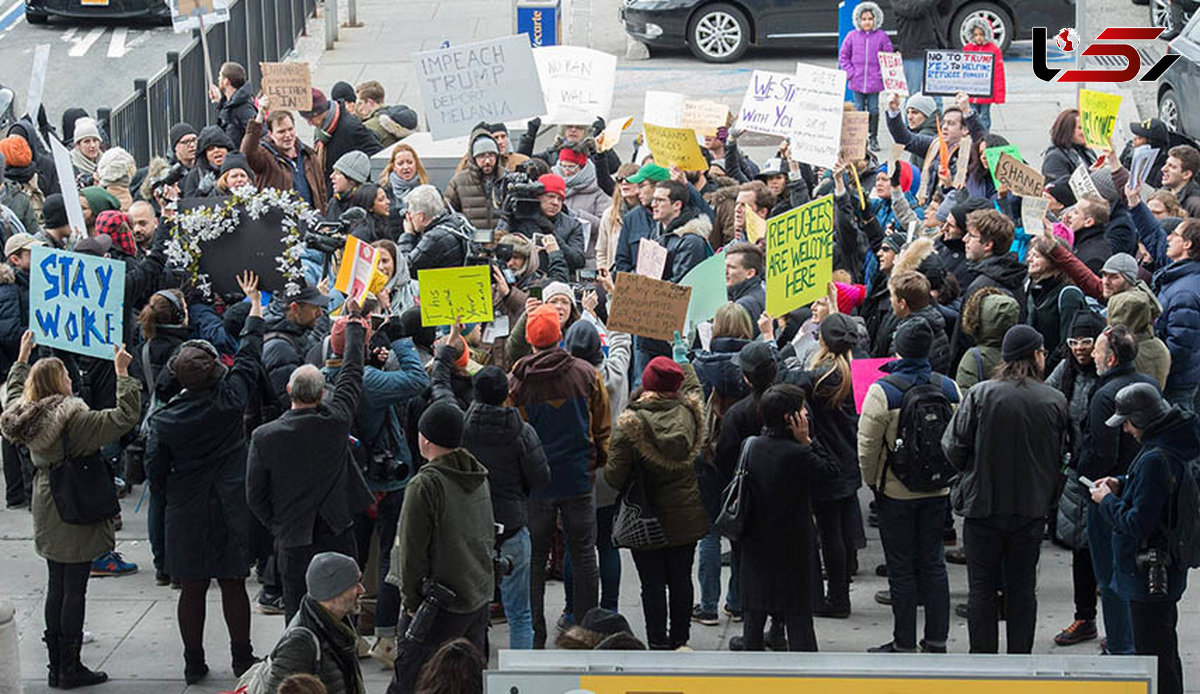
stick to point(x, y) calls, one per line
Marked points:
point(1002, 553)
point(579, 534)
point(1184, 397)
point(835, 522)
point(1154, 633)
point(1083, 578)
point(911, 531)
point(709, 575)
point(801, 636)
point(610, 563)
point(66, 598)
point(866, 102)
point(1117, 624)
point(447, 626)
point(984, 113)
point(514, 591)
point(666, 576)
point(156, 524)
point(387, 518)
point(293, 563)
point(914, 74)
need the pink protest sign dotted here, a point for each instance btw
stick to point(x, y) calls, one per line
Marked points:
point(864, 372)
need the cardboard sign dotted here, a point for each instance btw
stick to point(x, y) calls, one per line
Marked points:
point(815, 136)
point(255, 246)
point(287, 85)
point(992, 154)
point(1098, 116)
point(675, 147)
point(663, 108)
point(191, 7)
point(648, 308)
point(70, 192)
point(854, 134)
point(612, 133)
point(1144, 157)
point(756, 227)
point(1082, 184)
point(891, 65)
point(1020, 179)
point(577, 83)
point(707, 281)
point(357, 270)
point(187, 15)
point(76, 301)
point(950, 72)
point(652, 259)
point(493, 80)
point(1033, 212)
point(799, 255)
point(704, 117)
point(449, 293)
point(864, 372)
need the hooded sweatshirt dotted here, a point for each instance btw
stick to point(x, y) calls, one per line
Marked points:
point(1134, 311)
point(997, 313)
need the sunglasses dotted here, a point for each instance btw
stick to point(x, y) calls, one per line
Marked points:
point(1074, 342)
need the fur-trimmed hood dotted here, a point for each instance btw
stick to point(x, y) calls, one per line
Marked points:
point(699, 224)
point(871, 7)
point(7, 276)
point(39, 425)
point(913, 255)
point(667, 432)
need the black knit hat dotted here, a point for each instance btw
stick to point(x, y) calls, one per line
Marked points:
point(961, 210)
point(1086, 324)
point(839, 333)
point(1020, 342)
point(913, 339)
point(491, 386)
point(180, 131)
point(583, 341)
point(442, 425)
point(342, 91)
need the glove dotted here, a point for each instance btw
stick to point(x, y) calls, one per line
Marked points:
point(532, 126)
point(679, 351)
point(598, 126)
point(394, 328)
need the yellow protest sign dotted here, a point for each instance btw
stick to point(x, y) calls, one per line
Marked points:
point(704, 116)
point(448, 293)
point(756, 227)
point(799, 255)
point(1098, 116)
point(675, 147)
point(355, 275)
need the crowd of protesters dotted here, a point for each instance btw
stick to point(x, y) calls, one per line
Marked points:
point(1041, 383)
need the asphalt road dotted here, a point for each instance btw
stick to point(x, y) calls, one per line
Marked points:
point(92, 64)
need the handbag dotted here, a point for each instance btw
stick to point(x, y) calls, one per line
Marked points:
point(636, 524)
point(83, 488)
point(731, 519)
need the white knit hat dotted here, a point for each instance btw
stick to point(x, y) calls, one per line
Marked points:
point(84, 128)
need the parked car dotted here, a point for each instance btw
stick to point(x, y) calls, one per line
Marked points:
point(720, 31)
point(1179, 86)
point(40, 11)
point(1171, 15)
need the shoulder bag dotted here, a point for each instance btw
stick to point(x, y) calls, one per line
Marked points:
point(731, 519)
point(83, 488)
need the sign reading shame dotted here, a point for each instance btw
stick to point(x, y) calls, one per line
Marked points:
point(577, 83)
point(494, 80)
point(76, 301)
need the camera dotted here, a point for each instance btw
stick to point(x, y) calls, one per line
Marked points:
point(502, 564)
point(519, 196)
point(435, 597)
point(1154, 562)
point(168, 178)
point(384, 467)
point(329, 237)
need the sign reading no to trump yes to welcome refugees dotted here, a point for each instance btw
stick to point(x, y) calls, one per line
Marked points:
point(76, 301)
point(799, 255)
point(493, 81)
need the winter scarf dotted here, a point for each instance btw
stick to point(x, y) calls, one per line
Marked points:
point(582, 180)
point(401, 188)
point(82, 164)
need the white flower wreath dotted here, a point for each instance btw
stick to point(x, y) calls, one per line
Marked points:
point(202, 224)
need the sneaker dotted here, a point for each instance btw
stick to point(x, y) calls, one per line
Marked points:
point(890, 647)
point(708, 619)
point(1079, 631)
point(161, 579)
point(737, 643)
point(734, 615)
point(111, 564)
point(958, 556)
point(268, 603)
point(926, 648)
point(883, 597)
point(832, 611)
point(384, 651)
point(565, 621)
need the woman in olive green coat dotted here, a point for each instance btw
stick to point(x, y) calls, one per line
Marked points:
point(39, 410)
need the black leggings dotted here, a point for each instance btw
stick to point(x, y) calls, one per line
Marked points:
point(66, 598)
point(191, 611)
point(1084, 579)
point(835, 521)
point(801, 636)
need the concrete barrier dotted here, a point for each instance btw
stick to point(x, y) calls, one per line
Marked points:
point(10, 652)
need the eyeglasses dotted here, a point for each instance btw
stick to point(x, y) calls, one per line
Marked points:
point(1074, 342)
point(654, 200)
point(187, 140)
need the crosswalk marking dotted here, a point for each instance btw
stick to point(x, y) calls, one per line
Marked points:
point(116, 45)
point(81, 46)
point(68, 34)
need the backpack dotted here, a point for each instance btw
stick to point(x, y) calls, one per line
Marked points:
point(254, 680)
point(1183, 529)
point(918, 461)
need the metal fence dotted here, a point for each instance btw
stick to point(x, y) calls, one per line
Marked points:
point(257, 31)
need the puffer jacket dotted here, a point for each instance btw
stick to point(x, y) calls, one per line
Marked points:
point(1071, 528)
point(859, 56)
point(1134, 311)
point(336, 664)
point(1178, 287)
point(444, 243)
point(474, 194)
point(939, 352)
point(663, 436)
point(998, 313)
point(512, 453)
point(686, 241)
point(41, 426)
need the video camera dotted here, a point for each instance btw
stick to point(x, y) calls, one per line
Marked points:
point(329, 237)
point(519, 198)
point(435, 598)
point(482, 250)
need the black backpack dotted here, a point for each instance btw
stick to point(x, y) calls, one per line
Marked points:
point(918, 461)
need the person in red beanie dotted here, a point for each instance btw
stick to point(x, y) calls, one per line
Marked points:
point(566, 402)
point(584, 194)
point(552, 218)
point(656, 443)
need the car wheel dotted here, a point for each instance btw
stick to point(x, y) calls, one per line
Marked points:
point(1161, 15)
point(719, 34)
point(36, 17)
point(993, 14)
point(1168, 110)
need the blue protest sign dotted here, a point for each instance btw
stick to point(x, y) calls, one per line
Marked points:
point(76, 301)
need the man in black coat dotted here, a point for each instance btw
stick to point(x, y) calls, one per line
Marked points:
point(301, 479)
point(744, 278)
point(434, 237)
point(291, 334)
point(1088, 219)
point(912, 301)
point(337, 131)
point(989, 236)
point(234, 98)
point(920, 24)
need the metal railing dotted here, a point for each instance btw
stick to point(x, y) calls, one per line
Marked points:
point(257, 31)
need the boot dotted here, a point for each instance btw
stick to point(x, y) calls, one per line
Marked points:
point(873, 126)
point(243, 657)
point(194, 667)
point(52, 647)
point(776, 638)
point(71, 672)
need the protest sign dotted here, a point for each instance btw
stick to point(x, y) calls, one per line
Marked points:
point(950, 72)
point(288, 86)
point(675, 147)
point(255, 245)
point(76, 301)
point(647, 307)
point(453, 293)
point(577, 83)
point(891, 65)
point(652, 258)
point(612, 133)
point(756, 227)
point(1082, 184)
point(493, 80)
point(864, 372)
point(663, 108)
point(1144, 157)
point(992, 154)
point(707, 281)
point(799, 255)
point(357, 269)
point(70, 192)
point(188, 15)
point(37, 81)
point(704, 117)
point(806, 107)
point(1033, 212)
point(1098, 116)
point(1020, 179)
point(854, 135)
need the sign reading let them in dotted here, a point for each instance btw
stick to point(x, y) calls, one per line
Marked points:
point(287, 85)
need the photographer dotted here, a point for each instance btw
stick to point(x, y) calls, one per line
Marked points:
point(1141, 507)
point(443, 555)
point(433, 237)
point(528, 270)
point(553, 218)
